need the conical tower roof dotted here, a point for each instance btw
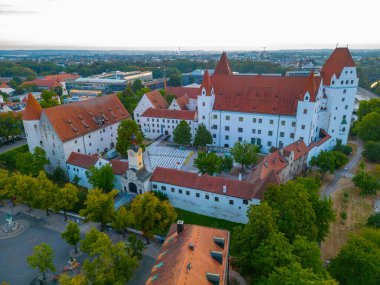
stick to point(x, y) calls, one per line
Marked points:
point(311, 86)
point(206, 83)
point(223, 66)
point(32, 110)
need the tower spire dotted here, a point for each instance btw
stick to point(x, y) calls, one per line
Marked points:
point(223, 66)
point(206, 83)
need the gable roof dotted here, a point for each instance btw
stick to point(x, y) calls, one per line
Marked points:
point(190, 92)
point(182, 102)
point(340, 58)
point(260, 94)
point(175, 255)
point(170, 114)
point(32, 110)
point(49, 83)
point(82, 160)
point(61, 77)
point(223, 65)
point(157, 100)
point(204, 182)
point(119, 167)
point(79, 118)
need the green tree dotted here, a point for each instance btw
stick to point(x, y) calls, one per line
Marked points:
point(32, 163)
point(66, 279)
point(307, 254)
point(58, 90)
point(42, 259)
point(372, 151)
point(227, 163)
point(208, 163)
point(346, 149)
point(368, 129)
point(45, 192)
point(366, 182)
point(244, 153)
point(101, 178)
point(25, 187)
point(65, 198)
point(48, 99)
point(99, 207)
point(202, 137)
point(122, 220)
point(58, 176)
point(358, 262)
point(150, 214)
point(374, 221)
point(10, 125)
point(72, 235)
point(328, 161)
point(135, 246)
point(175, 80)
point(182, 133)
point(110, 263)
point(367, 107)
point(137, 85)
point(126, 129)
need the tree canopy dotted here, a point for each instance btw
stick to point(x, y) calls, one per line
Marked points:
point(101, 178)
point(32, 163)
point(244, 153)
point(42, 258)
point(208, 163)
point(72, 234)
point(202, 137)
point(372, 151)
point(368, 128)
point(328, 161)
point(126, 129)
point(182, 133)
point(65, 198)
point(48, 99)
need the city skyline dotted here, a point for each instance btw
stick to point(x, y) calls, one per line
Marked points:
point(167, 25)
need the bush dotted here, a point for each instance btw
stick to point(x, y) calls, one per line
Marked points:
point(346, 149)
point(346, 195)
point(372, 151)
point(161, 196)
point(374, 221)
point(343, 215)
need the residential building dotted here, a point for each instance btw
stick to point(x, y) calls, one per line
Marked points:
point(5, 88)
point(87, 127)
point(192, 254)
point(152, 99)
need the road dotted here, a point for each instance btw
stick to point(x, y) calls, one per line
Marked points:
point(346, 172)
point(8, 147)
point(366, 94)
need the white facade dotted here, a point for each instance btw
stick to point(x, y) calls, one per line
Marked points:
point(206, 203)
point(143, 105)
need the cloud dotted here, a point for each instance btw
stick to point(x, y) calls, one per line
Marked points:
point(15, 12)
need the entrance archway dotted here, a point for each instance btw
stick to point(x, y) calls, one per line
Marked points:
point(132, 187)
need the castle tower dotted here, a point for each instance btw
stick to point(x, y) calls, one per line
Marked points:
point(135, 157)
point(31, 121)
point(223, 66)
point(206, 101)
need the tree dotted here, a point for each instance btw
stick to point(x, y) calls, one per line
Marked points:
point(101, 178)
point(367, 183)
point(58, 176)
point(42, 259)
point(110, 263)
point(372, 151)
point(202, 137)
point(58, 90)
point(182, 133)
point(367, 107)
point(175, 80)
point(150, 214)
point(137, 85)
point(66, 279)
point(135, 247)
point(328, 161)
point(72, 235)
point(126, 129)
point(45, 192)
point(32, 163)
point(346, 149)
point(66, 198)
point(99, 207)
point(10, 125)
point(308, 254)
point(48, 99)
point(358, 262)
point(244, 153)
point(294, 273)
point(374, 221)
point(368, 128)
point(25, 187)
point(227, 163)
point(208, 163)
point(122, 220)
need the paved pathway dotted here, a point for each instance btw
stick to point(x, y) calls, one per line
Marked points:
point(235, 275)
point(346, 172)
point(8, 147)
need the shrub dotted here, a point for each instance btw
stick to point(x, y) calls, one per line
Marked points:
point(374, 221)
point(161, 196)
point(343, 215)
point(346, 149)
point(372, 151)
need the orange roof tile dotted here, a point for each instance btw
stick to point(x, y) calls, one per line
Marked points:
point(340, 58)
point(157, 100)
point(4, 85)
point(49, 83)
point(82, 160)
point(172, 265)
point(182, 102)
point(61, 77)
point(206, 83)
point(119, 167)
point(204, 182)
point(79, 118)
point(170, 114)
point(260, 94)
point(32, 110)
point(223, 66)
point(190, 92)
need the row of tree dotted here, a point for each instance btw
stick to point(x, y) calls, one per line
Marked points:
point(10, 125)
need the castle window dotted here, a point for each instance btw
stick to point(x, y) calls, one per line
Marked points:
point(214, 136)
point(346, 81)
point(270, 133)
point(240, 139)
point(292, 135)
point(271, 122)
point(207, 197)
point(269, 143)
point(197, 195)
point(259, 132)
point(78, 150)
point(343, 129)
point(172, 189)
point(216, 199)
point(344, 91)
point(89, 144)
point(226, 128)
point(254, 120)
point(346, 107)
point(303, 127)
point(35, 126)
point(342, 82)
point(187, 193)
point(245, 202)
point(352, 82)
point(343, 99)
point(305, 111)
point(180, 191)
point(281, 134)
point(253, 131)
point(163, 188)
point(240, 130)
point(282, 123)
point(215, 116)
point(75, 141)
point(260, 121)
point(253, 140)
point(203, 104)
point(293, 124)
point(333, 82)
point(227, 118)
point(227, 137)
point(231, 202)
point(89, 136)
point(154, 186)
point(240, 119)
point(148, 119)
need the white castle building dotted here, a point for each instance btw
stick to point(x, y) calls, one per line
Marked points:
point(86, 127)
point(266, 110)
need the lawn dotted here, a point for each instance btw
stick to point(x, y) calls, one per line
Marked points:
point(201, 220)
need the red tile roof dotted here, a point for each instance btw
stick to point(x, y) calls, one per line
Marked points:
point(119, 167)
point(62, 77)
point(170, 114)
point(206, 83)
point(260, 94)
point(49, 83)
point(4, 85)
point(79, 118)
point(204, 182)
point(82, 160)
point(32, 110)
point(340, 58)
point(157, 100)
point(192, 93)
point(171, 267)
point(223, 66)
point(182, 102)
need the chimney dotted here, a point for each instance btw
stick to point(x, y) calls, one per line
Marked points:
point(213, 278)
point(219, 241)
point(180, 226)
point(266, 163)
point(240, 176)
point(224, 188)
point(217, 255)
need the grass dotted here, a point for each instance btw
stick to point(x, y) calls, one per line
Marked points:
point(201, 220)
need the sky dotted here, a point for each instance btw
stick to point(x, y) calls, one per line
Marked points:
point(189, 25)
